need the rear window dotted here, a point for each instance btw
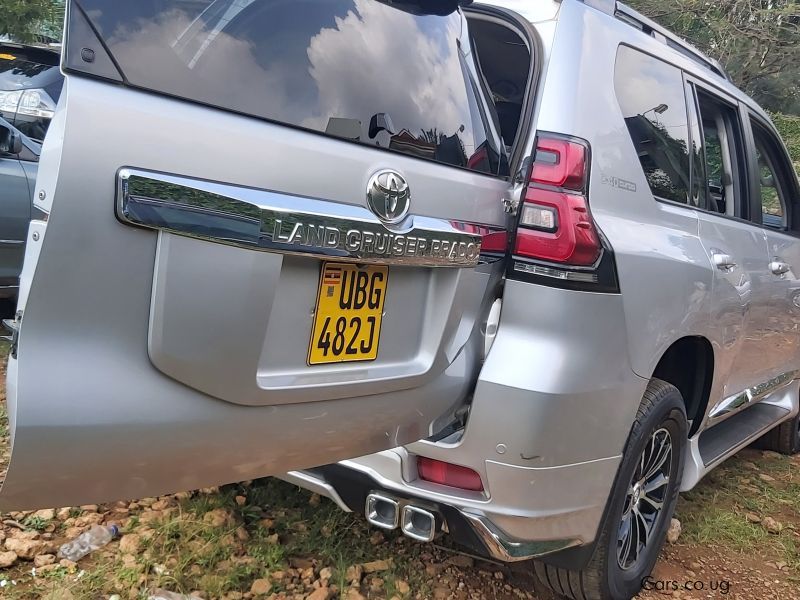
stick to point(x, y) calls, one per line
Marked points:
point(362, 70)
point(22, 68)
point(30, 85)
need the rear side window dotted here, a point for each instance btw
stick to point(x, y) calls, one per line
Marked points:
point(379, 73)
point(651, 95)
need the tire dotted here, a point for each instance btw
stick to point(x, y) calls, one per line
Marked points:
point(785, 438)
point(661, 410)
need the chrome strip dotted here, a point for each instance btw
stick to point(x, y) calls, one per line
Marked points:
point(12, 242)
point(315, 484)
point(738, 402)
point(279, 222)
point(506, 550)
point(556, 273)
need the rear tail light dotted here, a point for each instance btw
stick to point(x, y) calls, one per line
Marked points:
point(437, 471)
point(555, 224)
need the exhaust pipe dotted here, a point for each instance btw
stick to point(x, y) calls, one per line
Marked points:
point(382, 511)
point(418, 524)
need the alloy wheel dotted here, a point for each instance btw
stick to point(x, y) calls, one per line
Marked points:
point(644, 500)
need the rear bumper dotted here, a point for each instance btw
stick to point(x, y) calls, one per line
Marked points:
point(471, 529)
point(549, 417)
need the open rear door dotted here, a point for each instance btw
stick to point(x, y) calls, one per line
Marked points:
point(266, 246)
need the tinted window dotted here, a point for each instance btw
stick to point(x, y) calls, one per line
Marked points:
point(650, 94)
point(30, 85)
point(713, 153)
point(772, 204)
point(332, 66)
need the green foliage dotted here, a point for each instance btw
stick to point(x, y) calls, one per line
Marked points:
point(31, 20)
point(755, 40)
point(35, 523)
point(789, 128)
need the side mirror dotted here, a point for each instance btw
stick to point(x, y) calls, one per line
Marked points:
point(10, 141)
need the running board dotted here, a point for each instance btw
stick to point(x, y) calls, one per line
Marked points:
point(738, 430)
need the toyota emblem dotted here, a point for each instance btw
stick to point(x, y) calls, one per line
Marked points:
point(388, 196)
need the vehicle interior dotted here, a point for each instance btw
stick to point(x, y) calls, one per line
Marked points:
point(720, 143)
point(505, 60)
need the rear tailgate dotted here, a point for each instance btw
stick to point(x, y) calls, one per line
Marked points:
point(214, 184)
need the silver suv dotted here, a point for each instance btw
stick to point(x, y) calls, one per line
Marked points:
point(549, 239)
point(648, 324)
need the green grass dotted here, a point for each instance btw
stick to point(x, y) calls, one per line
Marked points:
point(714, 513)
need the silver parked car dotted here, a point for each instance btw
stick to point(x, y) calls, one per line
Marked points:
point(648, 323)
point(548, 239)
point(19, 157)
point(30, 84)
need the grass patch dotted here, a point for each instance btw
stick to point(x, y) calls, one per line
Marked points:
point(716, 512)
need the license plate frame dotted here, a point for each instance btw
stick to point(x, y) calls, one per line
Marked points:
point(352, 294)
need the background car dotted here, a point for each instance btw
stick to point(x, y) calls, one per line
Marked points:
point(30, 85)
point(19, 158)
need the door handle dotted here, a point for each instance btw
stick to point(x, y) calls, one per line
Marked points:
point(724, 262)
point(779, 267)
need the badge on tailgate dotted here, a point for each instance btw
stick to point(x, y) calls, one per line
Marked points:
point(347, 322)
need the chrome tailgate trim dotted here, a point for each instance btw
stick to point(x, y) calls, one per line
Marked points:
point(287, 224)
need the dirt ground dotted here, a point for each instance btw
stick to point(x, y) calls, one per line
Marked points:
point(266, 539)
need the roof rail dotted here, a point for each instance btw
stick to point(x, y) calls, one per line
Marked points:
point(653, 29)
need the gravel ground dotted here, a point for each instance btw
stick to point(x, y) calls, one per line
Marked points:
point(267, 539)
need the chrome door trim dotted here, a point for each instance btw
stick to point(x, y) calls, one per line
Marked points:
point(287, 224)
point(738, 402)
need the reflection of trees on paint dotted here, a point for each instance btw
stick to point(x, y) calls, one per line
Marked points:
point(179, 194)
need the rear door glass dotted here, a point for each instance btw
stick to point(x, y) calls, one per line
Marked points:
point(362, 70)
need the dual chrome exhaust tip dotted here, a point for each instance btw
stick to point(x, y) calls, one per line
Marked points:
point(386, 512)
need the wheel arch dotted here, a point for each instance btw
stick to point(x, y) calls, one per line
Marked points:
point(688, 364)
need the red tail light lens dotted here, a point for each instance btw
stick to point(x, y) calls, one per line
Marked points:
point(560, 163)
point(555, 224)
point(437, 471)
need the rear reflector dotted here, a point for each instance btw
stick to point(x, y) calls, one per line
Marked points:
point(437, 471)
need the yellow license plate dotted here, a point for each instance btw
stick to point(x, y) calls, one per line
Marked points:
point(347, 322)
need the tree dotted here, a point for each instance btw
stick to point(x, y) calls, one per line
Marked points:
point(757, 42)
point(31, 20)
